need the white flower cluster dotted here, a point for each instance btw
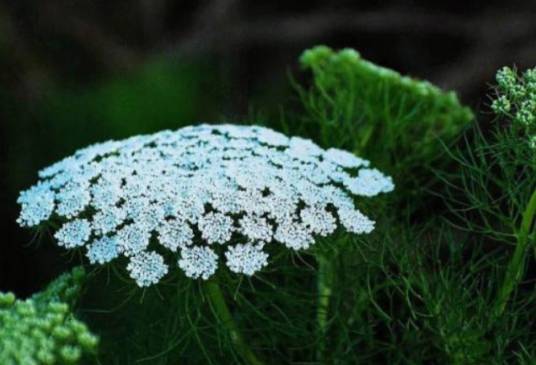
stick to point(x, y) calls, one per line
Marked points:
point(197, 188)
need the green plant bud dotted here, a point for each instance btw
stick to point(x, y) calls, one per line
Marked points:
point(46, 357)
point(61, 332)
point(373, 68)
point(530, 75)
point(70, 354)
point(387, 74)
point(47, 343)
point(517, 92)
point(349, 56)
point(315, 56)
point(528, 105)
point(22, 326)
point(525, 117)
point(27, 360)
point(7, 299)
point(60, 308)
point(421, 88)
point(25, 309)
point(532, 142)
point(36, 333)
point(506, 78)
point(57, 319)
point(44, 324)
point(78, 327)
point(88, 341)
point(501, 105)
point(532, 94)
point(531, 90)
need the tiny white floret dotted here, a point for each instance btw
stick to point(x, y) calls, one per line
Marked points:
point(147, 268)
point(74, 233)
point(198, 262)
point(246, 258)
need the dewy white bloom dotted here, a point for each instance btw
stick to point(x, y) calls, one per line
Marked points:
point(132, 239)
point(72, 198)
point(147, 268)
point(293, 234)
point(37, 205)
point(246, 258)
point(216, 227)
point(256, 228)
point(369, 182)
point(344, 158)
point(198, 262)
point(318, 220)
point(102, 250)
point(106, 221)
point(174, 234)
point(355, 221)
point(74, 233)
point(241, 187)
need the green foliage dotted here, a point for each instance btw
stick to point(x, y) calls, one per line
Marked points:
point(180, 321)
point(394, 120)
point(42, 330)
point(491, 183)
point(493, 190)
point(420, 295)
point(421, 289)
point(495, 175)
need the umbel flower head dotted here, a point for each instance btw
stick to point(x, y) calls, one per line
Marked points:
point(197, 189)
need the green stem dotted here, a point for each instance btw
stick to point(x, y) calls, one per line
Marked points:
point(217, 299)
point(516, 266)
point(324, 284)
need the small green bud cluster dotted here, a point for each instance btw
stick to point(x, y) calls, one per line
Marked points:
point(42, 329)
point(516, 99)
point(501, 105)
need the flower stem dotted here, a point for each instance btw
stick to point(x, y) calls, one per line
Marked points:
point(324, 284)
point(217, 299)
point(516, 266)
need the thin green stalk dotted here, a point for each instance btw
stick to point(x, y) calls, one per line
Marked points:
point(516, 266)
point(324, 284)
point(215, 295)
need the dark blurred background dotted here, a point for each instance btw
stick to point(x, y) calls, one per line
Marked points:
point(77, 72)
